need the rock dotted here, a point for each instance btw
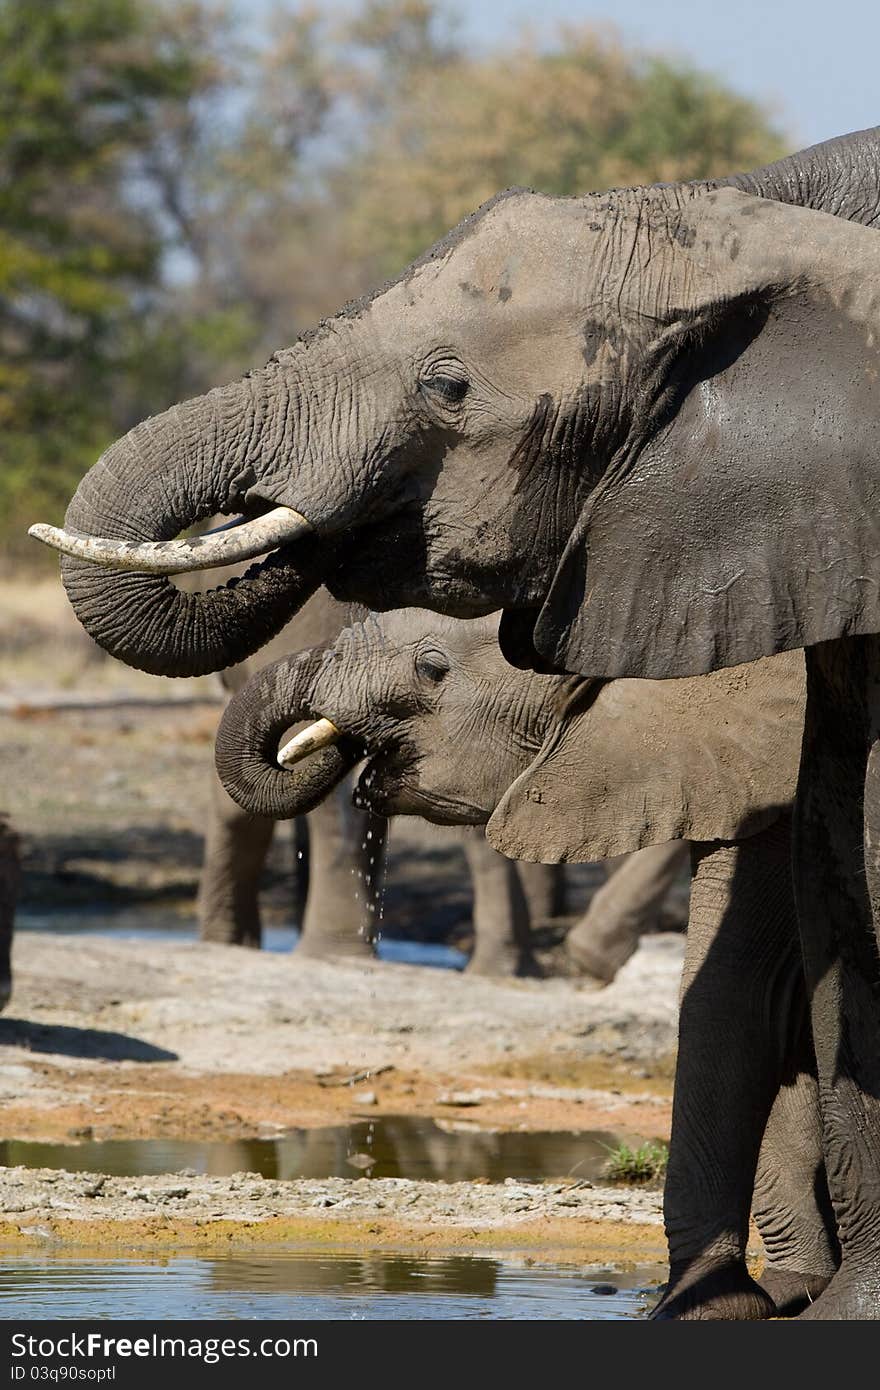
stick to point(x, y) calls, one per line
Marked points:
point(361, 1160)
point(365, 1098)
point(463, 1098)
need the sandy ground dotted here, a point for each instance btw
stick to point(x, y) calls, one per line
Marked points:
point(126, 1039)
point(107, 778)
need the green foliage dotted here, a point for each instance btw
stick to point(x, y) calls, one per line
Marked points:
point(645, 1164)
point(181, 194)
point(80, 82)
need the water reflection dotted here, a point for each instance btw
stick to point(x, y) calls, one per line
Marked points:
point(298, 1284)
point(387, 1147)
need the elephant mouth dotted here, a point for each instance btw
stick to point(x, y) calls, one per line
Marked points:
point(389, 786)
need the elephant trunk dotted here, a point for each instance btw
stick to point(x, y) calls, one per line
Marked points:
point(246, 751)
point(165, 476)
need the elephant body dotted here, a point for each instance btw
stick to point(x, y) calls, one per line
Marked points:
point(576, 769)
point(646, 424)
point(345, 849)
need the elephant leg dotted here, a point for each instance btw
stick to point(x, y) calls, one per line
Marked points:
point(545, 891)
point(502, 937)
point(236, 846)
point(791, 1204)
point(10, 880)
point(623, 909)
point(837, 880)
point(740, 987)
point(346, 860)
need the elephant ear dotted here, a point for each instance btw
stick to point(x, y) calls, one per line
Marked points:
point(705, 758)
point(740, 516)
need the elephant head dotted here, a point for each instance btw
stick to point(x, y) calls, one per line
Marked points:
point(561, 768)
point(644, 423)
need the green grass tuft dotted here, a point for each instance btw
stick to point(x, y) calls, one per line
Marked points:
point(645, 1164)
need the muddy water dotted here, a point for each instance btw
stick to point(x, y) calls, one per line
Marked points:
point(294, 1284)
point(388, 1147)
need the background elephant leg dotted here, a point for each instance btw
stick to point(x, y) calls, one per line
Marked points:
point(346, 861)
point(741, 978)
point(545, 891)
point(623, 909)
point(236, 846)
point(791, 1205)
point(10, 880)
point(837, 878)
point(502, 938)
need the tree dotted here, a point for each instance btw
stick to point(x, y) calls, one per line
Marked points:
point(81, 82)
point(584, 114)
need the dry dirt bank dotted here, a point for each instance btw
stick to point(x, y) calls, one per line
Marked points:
point(563, 1221)
point(133, 1039)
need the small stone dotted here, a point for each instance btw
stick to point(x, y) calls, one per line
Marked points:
point(463, 1098)
point(603, 1289)
point(361, 1160)
point(365, 1098)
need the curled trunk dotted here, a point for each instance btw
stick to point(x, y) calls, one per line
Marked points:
point(255, 720)
point(165, 476)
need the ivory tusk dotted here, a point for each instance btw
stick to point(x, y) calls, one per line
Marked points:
point(318, 735)
point(224, 546)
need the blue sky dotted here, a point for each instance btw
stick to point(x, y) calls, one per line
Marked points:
point(815, 61)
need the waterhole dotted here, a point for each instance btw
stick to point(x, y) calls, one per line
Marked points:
point(297, 1284)
point(393, 1146)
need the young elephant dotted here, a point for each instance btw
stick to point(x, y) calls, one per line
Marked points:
point(346, 860)
point(345, 845)
point(571, 769)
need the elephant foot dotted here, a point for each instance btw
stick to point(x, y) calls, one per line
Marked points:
point(851, 1296)
point(504, 965)
point(724, 1294)
point(353, 948)
point(791, 1290)
point(222, 932)
point(568, 961)
point(557, 964)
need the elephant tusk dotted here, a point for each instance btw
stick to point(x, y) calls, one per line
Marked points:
point(318, 735)
point(224, 546)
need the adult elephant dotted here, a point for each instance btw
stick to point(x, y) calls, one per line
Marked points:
point(572, 769)
point(645, 424)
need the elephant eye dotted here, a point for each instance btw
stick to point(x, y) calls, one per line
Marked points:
point(450, 389)
point(432, 666)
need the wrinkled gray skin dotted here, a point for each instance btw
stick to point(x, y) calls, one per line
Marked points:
point(346, 862)
point(345, 845)
point(456, 735)
point(646, 425)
